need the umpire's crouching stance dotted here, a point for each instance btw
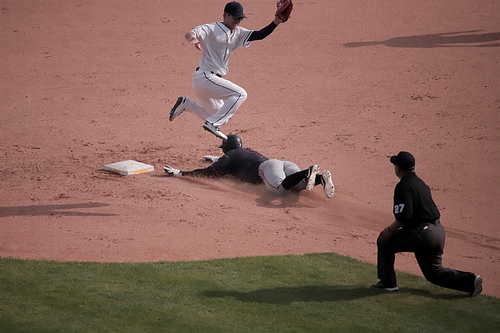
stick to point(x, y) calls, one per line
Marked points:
point(417, 229)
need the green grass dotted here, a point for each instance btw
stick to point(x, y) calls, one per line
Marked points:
point(307, 293)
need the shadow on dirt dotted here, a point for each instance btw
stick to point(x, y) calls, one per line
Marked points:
point(453, 39)
point(61, 210)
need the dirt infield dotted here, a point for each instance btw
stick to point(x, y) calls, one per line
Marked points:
point(343, 85)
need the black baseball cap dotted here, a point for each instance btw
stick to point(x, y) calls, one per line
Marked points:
point(235, 9)
point(404, 160)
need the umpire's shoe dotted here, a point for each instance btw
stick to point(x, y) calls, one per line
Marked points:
point(326, 181)
point(178, 108)
point(384, 286)
point(214, 130)
point(478, 286)
point(311, 176)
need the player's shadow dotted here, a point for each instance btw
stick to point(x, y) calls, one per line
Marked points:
point(59, 210)
point(471, 38)
point(289, 295)
point(427, 293)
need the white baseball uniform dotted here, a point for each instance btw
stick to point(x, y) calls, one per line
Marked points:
point(219, 98)
point(274, 171)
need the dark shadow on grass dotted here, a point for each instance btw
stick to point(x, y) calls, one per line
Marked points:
point(426, 293)
point(60, 210)
point(452, 39)
point(288, 295)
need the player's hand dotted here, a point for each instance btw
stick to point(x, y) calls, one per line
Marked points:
point(277, 20)
point(172, 171)
point(385, 234)
point(210, 158)
point(196, 43)
point(190, 37)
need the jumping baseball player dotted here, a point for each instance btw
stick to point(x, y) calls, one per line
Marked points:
point(280, 177)
point(219, 97)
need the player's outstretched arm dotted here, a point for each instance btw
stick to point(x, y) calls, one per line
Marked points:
point(264, 32)
point(208, 172)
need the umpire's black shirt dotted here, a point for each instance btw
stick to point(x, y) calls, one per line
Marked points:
point(413, 204)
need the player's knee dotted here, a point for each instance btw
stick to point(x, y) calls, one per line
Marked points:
point(432, 276)
point(243, 95)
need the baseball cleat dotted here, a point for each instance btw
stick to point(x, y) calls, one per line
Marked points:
point(326, 181)
point(311, 176)
point(478, 285)
point(384, 286)
point(178, 108)
point(214, 130)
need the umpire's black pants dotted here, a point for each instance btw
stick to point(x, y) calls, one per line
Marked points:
point(427, 242)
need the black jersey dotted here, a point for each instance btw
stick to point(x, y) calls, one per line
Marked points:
point(242, 163)
point(413, 202)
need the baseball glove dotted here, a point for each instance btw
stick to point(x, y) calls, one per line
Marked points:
point(171, 171)
point(284, 9)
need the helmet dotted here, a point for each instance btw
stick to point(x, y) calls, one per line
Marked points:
point(232, 142)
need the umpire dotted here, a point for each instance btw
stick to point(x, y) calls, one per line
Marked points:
point(417, 229)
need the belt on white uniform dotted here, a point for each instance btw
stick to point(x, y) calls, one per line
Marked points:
point(197, 68)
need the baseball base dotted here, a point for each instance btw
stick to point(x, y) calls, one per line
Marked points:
point(129, 167)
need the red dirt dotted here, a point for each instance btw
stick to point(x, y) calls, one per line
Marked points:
point(85, 84)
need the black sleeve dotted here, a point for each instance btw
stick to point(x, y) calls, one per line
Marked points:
point(218, 169)
point(263, 33)
point(208, 172)
point(403, 204)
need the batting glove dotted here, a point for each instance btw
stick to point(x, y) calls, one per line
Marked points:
point(210, 158)
point(171, 171)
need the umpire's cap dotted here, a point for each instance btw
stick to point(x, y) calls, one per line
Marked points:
point(404, 160)
point(232, 142)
